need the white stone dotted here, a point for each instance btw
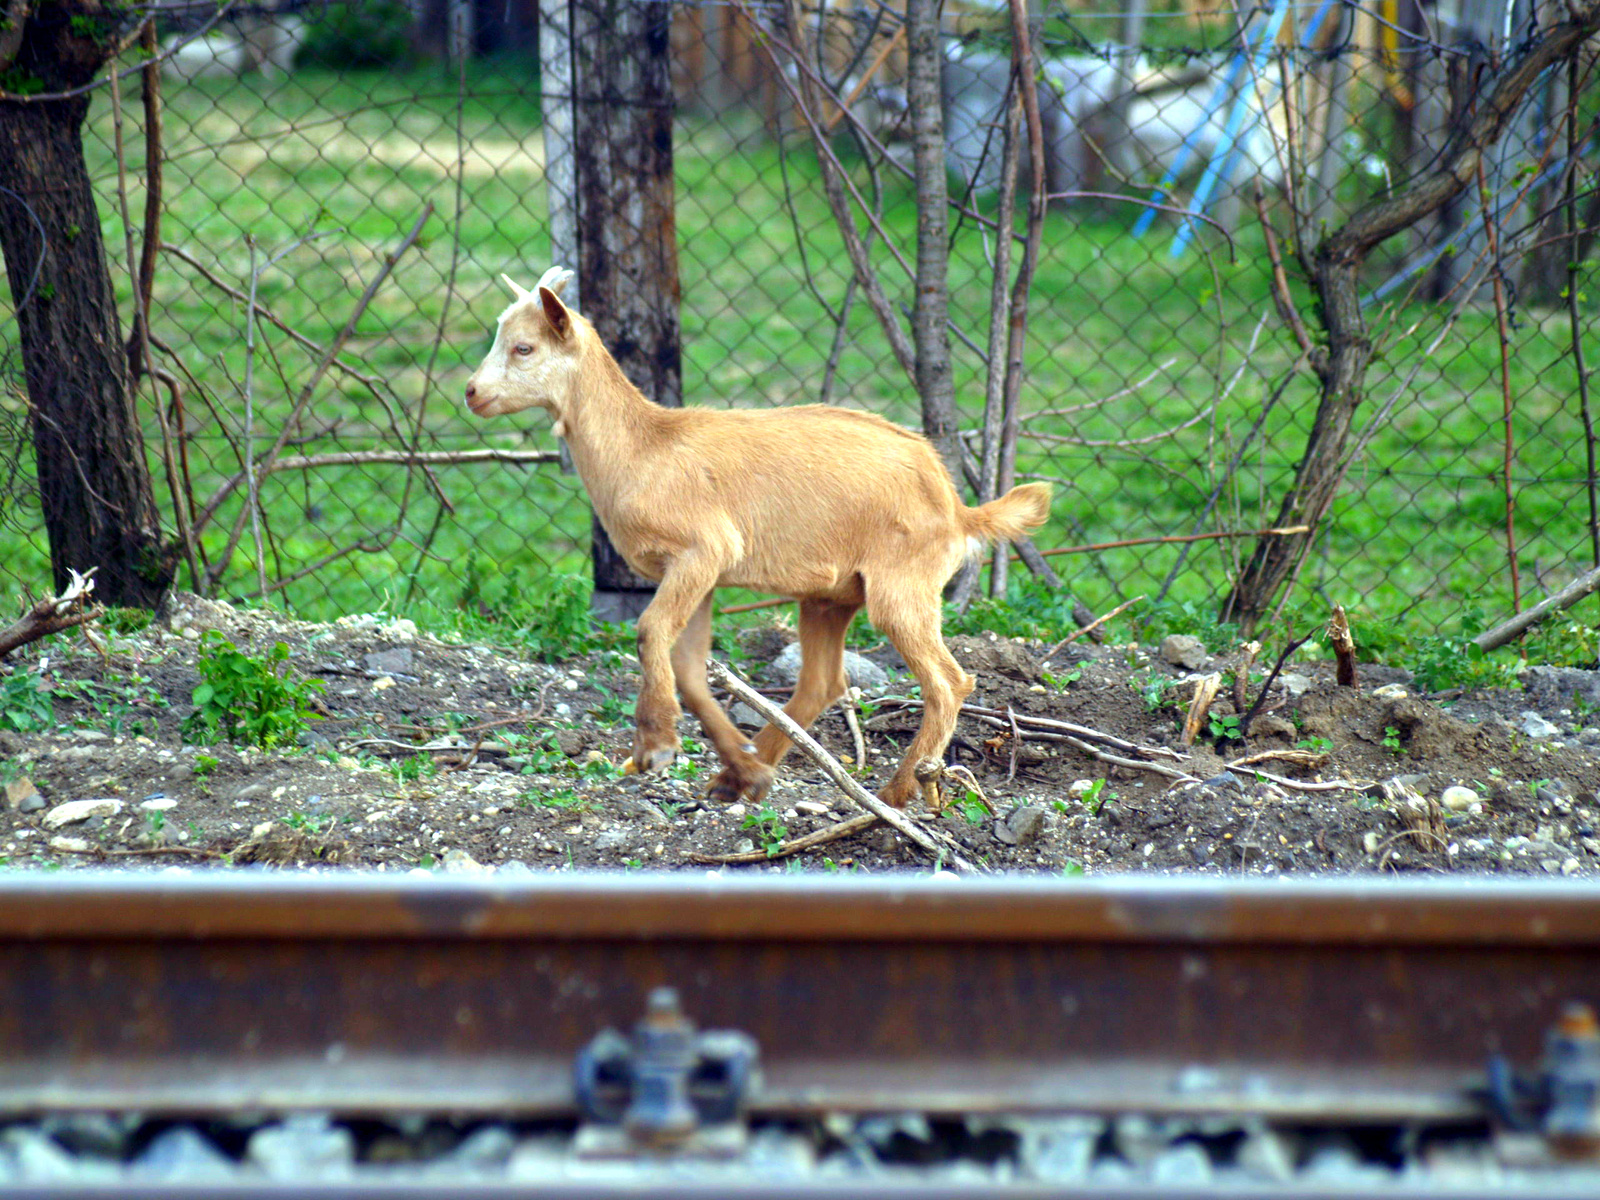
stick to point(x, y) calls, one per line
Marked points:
point(814, 808)
point(74, 811)
point(158, 804)
point(1458, 798)
point(1390, 691)
point(69, 845)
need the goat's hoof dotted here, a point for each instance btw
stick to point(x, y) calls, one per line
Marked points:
point(650, 762)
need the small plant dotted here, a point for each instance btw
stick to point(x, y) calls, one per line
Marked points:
point(1094, 799)
point(600, 768)
point(1152, 689)
point(613, 709)
point(633, 864)
point(1391, 740)
point(1071, 869)
point(1225, 728)
point(973, 809)
point(246, 699)
point(1059, 683)
point(157, 822)
point(309, 822)
point(25, 706)
point(204, 764)
point(769, 828)
point(1319, 745)
point(565, 799)
point(409, 770)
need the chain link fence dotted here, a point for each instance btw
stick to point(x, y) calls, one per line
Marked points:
point(341, 186)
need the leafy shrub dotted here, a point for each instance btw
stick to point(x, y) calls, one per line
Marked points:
point(24, 706)
point(246, 699)
point(358, 33)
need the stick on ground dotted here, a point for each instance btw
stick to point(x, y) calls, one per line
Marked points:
point(807, 745)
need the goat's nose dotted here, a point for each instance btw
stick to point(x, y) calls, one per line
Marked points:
point(472, 390)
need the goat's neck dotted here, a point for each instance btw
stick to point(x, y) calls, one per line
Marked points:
point(608, 423)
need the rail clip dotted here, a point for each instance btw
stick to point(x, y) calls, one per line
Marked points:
point(1562, 1103)
point(667, 1086)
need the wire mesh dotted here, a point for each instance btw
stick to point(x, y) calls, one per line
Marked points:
point(1164, 393)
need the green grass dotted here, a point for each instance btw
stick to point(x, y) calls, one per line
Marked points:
point(1416, 537)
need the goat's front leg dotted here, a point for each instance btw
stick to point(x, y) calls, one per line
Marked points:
point(655, 739)
point(742, 771)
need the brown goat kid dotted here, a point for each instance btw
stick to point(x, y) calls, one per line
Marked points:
point(836, 508)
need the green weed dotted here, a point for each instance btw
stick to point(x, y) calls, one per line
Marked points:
point(768, 827)
point(246, 699)
point(24, 705)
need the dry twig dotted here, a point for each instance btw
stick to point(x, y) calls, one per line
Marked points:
point(940, 849)
point(52, 616)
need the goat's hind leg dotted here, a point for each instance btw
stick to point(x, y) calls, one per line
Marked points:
point(910, 618)
point(744, 771)
point(685, 585)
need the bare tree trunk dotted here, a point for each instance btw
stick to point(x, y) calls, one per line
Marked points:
point(1338, 261)
point(930, 313)
point(94, 482)
point(621, 220)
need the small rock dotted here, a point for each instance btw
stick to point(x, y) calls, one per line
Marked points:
point(610, 839)
point(1294, 683)
point(35, 1157)
point(389, 662)
point(459, 862)
point(514, 866)
point(401, 629)
point(743, 846)
point(69, 845)
point(1182, 650)
point(181, 1153)
point(490, 1146)
point(302, 1147)
point(1058, 1150)
point(1226, 779)
point(1390, 691)
point(1570, 866)
point(74, 812)
point(745, 716)
point(647, 812)
point(1536, 726)
point(861, 672)
point(1371, 840)
point(1022, 827)
point(23, 796)
point(158, 804)
point(814, 808)
point(1080, 787)
point(573, 742)
point(1590, 735)
point(383, 683)
point(1184, 1165)
point(1265, 1155)
point(1457, 798)
point(1552, 791)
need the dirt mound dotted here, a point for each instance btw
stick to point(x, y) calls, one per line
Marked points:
point(443, 756)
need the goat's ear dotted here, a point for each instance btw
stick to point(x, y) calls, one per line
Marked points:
point(555, 312)
point(517, 290)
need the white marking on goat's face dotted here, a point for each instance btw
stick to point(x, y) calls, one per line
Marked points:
point(527, 366)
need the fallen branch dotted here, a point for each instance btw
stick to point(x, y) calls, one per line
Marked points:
point(1580, 587)
point(1089, 628)
point(796, 845)
point(1283, 531)
point(830, 766)
point(52, 616)
point(1300, 758)
point(1053, 730)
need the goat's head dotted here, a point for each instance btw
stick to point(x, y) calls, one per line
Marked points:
point(535, 352)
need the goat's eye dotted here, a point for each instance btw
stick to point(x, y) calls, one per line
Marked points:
point(523, 348)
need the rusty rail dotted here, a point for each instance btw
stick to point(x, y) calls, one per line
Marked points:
point(1326, 1000)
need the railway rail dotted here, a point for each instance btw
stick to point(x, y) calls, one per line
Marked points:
point(793, 1005)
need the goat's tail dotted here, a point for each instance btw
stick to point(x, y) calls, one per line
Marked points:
point(1022, 508)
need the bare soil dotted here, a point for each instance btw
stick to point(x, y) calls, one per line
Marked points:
point(434, 755)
